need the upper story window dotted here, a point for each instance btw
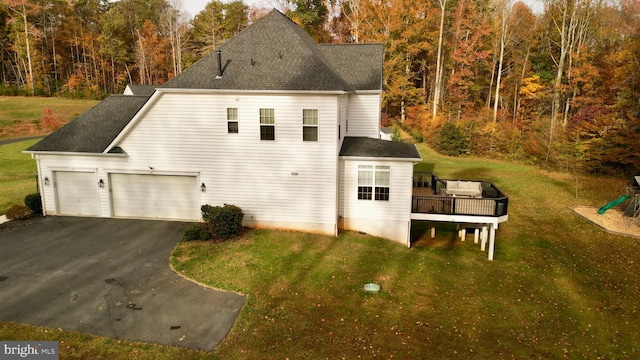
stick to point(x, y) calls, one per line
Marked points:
point(267, 124)
point(310, 125)
point(374, 182)
point(232, 120)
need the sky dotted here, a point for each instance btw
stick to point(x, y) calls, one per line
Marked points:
point(193, 7)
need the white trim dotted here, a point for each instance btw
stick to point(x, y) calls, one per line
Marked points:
point(41, 185)
point(495, 220)
point(68, 153)
point(82, 170)
point(366, 158)
point(153, 172)
point(368, 92)
point(134, 121)
point(251, 92)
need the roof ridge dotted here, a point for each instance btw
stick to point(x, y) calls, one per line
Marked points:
point(310, 44)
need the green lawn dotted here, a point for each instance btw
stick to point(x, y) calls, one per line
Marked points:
point(21, 116)
point(558, 288)
point(17, 174)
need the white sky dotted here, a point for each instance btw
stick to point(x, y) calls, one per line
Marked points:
point(193, 7)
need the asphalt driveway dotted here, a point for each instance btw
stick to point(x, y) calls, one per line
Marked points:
point(109, 277)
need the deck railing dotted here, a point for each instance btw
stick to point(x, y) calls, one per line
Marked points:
point(492, 203)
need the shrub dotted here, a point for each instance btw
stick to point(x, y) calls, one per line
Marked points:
point(18, 212)
point(196, 232)
point(224, 222)
point(34, 202)
point(395, 135)
point(451, 141)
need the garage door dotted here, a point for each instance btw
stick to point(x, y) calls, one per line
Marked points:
point(155, 196)
point(77, 193)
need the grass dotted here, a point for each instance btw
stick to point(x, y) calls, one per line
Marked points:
point(17, 174)
point(21, 116)
point(559, 287)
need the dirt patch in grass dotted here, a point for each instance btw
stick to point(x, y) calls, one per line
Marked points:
point(612, 220)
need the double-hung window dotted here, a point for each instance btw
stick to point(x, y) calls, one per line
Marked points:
point(374, 182)
point(365, 182)
point(383, 179)
point(267, 124)
point(232, 120)
point(310, 125)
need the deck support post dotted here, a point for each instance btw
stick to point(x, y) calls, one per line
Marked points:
point(483, 244)
point(492, 240)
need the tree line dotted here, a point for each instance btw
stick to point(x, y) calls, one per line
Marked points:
point(558, 87)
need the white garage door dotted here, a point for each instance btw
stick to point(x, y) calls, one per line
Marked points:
point(155, 196)
point(77, 193)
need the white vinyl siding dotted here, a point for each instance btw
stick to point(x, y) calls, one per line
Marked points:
point(390, 218)
point(76, 193)
point(286, 183)
point(364, 115)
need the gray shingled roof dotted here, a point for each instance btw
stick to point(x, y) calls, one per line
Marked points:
point(276, 54)
point(376, 148)
point(94, 130)
point(359, 64)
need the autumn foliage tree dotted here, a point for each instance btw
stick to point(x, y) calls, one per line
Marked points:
point(49, 122)
point(558, 86)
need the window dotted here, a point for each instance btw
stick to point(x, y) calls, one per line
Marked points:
point(365, 182)
point(310, 125)
point(232, 120)
point(267, 124)
point(374, 183)
point(383, 176)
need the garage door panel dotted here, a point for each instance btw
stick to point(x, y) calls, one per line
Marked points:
point(155, 196)
point(77, 193)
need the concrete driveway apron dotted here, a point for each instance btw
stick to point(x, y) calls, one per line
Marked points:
point(109, 277)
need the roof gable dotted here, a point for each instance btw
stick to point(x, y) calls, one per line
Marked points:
point(93, 131)
point(276, 54)
point(139, 90)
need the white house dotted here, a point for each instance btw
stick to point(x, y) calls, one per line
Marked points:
point(271, 122)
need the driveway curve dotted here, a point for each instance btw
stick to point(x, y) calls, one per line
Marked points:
point(109, 277)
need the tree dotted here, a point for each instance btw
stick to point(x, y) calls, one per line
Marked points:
point(312, 16)
point(22, 8)
point(217, 23)
point(437, 87)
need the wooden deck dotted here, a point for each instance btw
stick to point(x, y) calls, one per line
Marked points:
point(483, 214)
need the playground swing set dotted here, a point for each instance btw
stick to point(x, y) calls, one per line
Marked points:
point(632, 211)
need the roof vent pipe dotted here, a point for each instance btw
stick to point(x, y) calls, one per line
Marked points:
point(219, 53)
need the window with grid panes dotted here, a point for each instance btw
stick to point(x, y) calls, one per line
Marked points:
point(383, 179)
point(310, 125)
point(374, 182)
point(232, 120)
point(267, 124)
point(365, 182)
